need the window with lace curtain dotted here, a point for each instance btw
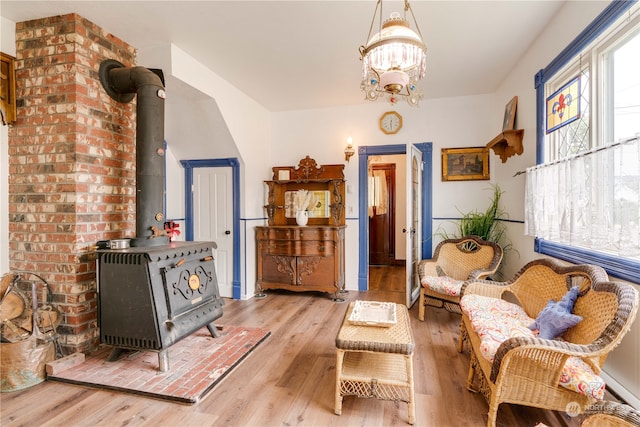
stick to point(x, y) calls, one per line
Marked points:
point(582, 200)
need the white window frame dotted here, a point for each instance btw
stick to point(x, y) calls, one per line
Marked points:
point(583, 49)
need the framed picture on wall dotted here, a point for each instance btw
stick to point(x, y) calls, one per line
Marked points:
point(509, 121)
point(465, 164)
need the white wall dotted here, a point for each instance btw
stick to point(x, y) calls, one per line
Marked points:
point(214, 119)
point(248, 123)
point(622, 370)
point(446, 122)
point(8, 46)
point(572, 18)
point(174, 187)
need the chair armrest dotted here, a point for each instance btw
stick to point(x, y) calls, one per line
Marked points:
point(487, 288)
point(427, 267)
point(541, 358)
point(481, 274)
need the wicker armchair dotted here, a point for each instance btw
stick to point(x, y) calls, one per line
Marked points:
point(459, 259)
point(611, 414)
point(526, 370)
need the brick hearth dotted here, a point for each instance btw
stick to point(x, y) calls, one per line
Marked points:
point(71, 164)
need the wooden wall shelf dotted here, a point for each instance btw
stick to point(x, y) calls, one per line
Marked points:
point(507, 144)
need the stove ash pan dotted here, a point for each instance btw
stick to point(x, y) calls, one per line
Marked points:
point(151, 297)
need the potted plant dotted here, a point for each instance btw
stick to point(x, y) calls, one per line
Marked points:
point(487, 225)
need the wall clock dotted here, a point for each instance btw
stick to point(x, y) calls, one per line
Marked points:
point(390, 122)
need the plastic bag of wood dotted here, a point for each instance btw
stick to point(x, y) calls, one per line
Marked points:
point(22, 363)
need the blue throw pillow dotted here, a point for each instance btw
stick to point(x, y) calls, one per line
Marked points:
point(556, 317)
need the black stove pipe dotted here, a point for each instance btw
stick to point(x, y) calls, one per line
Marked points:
point(122, 83)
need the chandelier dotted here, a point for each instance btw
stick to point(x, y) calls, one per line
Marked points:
point(394, 59)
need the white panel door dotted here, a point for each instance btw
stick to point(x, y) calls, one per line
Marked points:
point(213, 219)
point(414, 250)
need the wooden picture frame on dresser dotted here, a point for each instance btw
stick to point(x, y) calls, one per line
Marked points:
point(303, 258)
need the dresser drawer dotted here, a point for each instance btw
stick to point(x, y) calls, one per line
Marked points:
point(299, 247)
point(295, 233)
point(271, 233)
point(307, 233)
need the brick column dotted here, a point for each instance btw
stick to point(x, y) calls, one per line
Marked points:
point(71, 164)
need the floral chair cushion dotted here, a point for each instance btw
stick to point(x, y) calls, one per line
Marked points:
point(443, 285)
point(495, 320)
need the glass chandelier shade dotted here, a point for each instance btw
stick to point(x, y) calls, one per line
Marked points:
point(393, 60)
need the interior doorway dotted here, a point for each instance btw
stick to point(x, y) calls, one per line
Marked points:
point(422, 196)
point(382, 219)
point(386, 206)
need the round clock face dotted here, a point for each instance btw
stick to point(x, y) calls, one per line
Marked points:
point(390, 122)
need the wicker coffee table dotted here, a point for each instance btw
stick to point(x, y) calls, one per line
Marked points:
point(374, 361)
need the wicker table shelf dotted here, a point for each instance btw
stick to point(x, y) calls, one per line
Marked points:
point(376, 362)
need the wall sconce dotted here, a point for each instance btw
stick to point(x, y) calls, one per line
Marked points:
point(349, 151)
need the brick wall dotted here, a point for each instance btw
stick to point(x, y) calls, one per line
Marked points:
point(71, 164)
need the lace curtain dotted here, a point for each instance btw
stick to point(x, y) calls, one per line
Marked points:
point(378, 194)
point(591, 200)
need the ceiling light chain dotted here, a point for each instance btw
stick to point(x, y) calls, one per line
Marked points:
point(394, 59)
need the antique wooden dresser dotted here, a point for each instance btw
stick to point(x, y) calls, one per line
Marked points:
point(309, 257)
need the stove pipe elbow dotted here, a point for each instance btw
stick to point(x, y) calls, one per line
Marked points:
point(122, 84)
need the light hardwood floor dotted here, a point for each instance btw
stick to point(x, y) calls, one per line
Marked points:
point(289, 380)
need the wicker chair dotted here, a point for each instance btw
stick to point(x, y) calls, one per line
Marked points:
point(526, 370)
point(611, 414)
point(459, 259)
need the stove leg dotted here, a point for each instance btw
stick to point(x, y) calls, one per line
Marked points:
point(115, 354)
point(163, 360)
point(214, 331)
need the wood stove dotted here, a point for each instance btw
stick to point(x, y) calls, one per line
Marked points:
point(156, 292)
point(152, 297)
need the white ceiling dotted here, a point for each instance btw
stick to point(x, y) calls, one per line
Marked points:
point(290, 55)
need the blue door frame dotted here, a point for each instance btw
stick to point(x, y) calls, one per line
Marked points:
point(363, 216)
point(234, 164)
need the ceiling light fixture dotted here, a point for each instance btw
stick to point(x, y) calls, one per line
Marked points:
point(394, 59)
